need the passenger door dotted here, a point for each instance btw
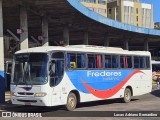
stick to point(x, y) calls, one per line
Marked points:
point(56, 71)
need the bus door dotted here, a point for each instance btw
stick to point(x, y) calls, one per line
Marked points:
point(56, 71)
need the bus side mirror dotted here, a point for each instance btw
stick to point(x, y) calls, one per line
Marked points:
point(8, 67)
point(52, 69)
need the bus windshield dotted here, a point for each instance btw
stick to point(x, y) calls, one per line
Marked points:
point(30, 69)
point(156, 67)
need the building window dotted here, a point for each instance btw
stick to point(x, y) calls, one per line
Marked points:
point(103, 2)
point(137, 18)
point(89, 1)
point(137, 10)
point(91, 8)
point(109, 11)
point(95, 9)
point(100, 10)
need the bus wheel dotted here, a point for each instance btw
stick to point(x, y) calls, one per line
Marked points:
point(127, 95)
point(71, 102)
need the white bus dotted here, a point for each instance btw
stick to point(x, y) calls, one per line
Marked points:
point(52, 76)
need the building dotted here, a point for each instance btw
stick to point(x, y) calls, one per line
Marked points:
point(131, 12)
point(99, 6)
point(126, 11)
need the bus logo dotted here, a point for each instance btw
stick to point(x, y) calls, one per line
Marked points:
point(26, 88)
point(109, 92)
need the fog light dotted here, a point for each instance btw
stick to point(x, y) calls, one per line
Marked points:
point(13, 94)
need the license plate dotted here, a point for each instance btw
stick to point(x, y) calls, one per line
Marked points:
point(27, 103)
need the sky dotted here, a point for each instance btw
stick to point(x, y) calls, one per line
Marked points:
point(156, 8)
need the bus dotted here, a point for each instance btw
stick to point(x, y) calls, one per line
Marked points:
point(54, 75)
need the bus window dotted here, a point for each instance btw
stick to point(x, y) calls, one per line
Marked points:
point(99, 61)
point(136, 62)
point(71, 60)
point(80, 60)
point(147, 62)
point(91, 61)
point(142, 61)
point(115, 61)
point(122, 62)
point(108, 61)
point(125, 61)
point(95, 61)
point(76, 60)
point(129, 62)
point(58, 55)
point(68, 60)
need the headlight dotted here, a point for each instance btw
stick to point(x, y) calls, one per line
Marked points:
point(40, 94)
point(13, 94)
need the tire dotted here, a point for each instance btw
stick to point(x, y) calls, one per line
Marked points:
point(71, 102)
point(127, 95)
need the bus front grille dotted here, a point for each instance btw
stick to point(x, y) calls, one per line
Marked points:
point(25, 93)
point(34, 101)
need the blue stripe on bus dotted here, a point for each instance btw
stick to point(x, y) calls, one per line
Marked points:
point(2, 87)
point(2, 73)
point(97, 79)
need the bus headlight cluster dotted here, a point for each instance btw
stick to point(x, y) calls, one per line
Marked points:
point(40, 94)
point(13, 94)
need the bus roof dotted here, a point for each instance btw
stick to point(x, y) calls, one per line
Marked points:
point(155, 62)
point(82, 48)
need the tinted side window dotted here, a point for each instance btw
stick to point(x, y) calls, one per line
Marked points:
point(71, 60)
point(115, 61)
point(91, 61)
point(99, 61)
point(75, 60)
point(95, 61)
point(122, 62)
point(129, 62)
point(136, 62)
point(108, 61)
point(142, 61)
point(80, 60)
point(125, 61)
point(147, 62)
point(58, 55)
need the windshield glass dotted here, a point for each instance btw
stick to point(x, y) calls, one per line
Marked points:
point(156, 67)
point(30, 69)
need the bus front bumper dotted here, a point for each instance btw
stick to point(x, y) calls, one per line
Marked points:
point(32, 101)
